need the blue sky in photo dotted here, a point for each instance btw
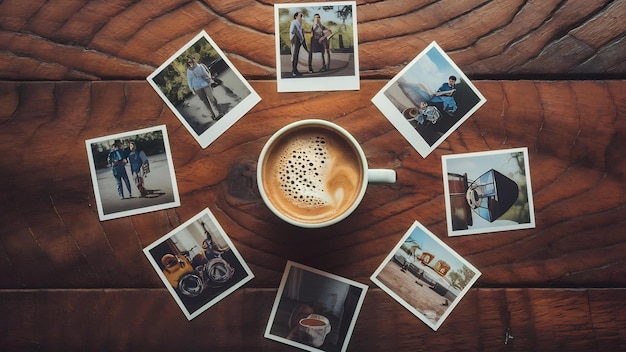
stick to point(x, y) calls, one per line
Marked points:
point(432, 70)
point(475, 166)
point(432, 246)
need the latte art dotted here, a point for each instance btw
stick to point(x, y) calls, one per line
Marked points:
point(302, 168)
point(312, 174)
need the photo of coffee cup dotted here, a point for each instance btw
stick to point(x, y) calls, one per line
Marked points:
point(313, 173)
point(313, 329)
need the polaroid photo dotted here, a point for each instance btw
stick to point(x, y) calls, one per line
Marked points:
point(315, 310)
point(425, 276)
point(132, 173)
point(488, 191)
point(203, 89)
point(198, 264)
point(316, 46)
point(429, 99)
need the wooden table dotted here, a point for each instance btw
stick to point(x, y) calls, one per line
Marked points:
point(553, 76)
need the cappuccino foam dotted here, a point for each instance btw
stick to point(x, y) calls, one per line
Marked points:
point(301, 168)
point(316, 172)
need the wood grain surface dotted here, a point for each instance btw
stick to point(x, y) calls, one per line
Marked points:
point(125, 39)
point(145, 319)
point(553, 75)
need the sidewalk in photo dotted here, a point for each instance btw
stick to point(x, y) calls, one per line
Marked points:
point(341, 64)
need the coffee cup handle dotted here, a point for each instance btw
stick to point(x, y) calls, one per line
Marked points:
point(381, 176)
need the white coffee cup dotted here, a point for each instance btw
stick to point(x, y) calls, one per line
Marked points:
point(313, 173)
point(313, 329)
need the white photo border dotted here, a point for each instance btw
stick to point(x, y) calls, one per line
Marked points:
point(288, 267)
point(417, 226)
point(491, 228)
point(213, 132)
point(400, 122)
point(135, 211)
point(190, 315)
point(308, 84)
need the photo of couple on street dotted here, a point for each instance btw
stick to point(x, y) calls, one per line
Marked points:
point(132, 173)
point(316, 46)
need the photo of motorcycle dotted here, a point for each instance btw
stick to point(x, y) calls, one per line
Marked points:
point(191, 276)
point(198, 263)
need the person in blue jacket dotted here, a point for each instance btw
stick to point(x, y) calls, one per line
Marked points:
point(199, 81)
point(117, 160)
point(444, 95)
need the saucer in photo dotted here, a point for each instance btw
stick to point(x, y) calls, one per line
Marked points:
point(425, 276)
point(429, 99)
point(198, 264)
point(203, 89)
point(132, 172)
point(315, 310)
point(488, 191)
point(316, 46)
